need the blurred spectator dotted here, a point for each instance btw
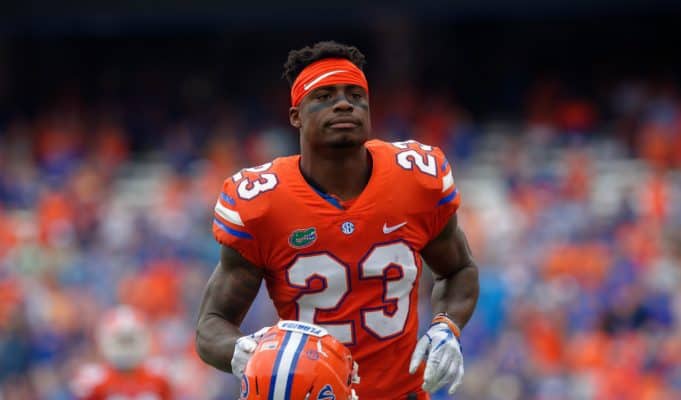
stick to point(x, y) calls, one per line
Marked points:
point(124, 343)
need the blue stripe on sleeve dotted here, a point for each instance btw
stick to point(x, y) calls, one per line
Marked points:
point(234, 232)
point(444, 165)
point(448, 198)
point(226, 198)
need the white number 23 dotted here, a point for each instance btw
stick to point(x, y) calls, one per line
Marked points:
point(382, 322)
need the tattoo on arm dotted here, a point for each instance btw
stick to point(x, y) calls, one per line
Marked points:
point(227, 297)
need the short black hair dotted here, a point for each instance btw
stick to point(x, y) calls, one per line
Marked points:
point(299, 59)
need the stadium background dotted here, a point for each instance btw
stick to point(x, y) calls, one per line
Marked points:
point(118, 121)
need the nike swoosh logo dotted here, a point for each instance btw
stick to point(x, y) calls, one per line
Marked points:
point(390, 229)
point(322, 76)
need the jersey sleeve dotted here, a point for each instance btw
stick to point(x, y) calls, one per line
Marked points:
point(431, 192)
point(233, 223)
point(443, 194)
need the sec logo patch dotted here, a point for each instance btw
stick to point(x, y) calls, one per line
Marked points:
point(348, 228)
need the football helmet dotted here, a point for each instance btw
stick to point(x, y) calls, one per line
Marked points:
point(123, 338)
point(299, 361)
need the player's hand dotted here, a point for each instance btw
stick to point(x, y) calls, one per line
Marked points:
point(243, 350)
point(444, 359)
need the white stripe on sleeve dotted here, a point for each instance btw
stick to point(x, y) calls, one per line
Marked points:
point(227, 214)
point(447, 181)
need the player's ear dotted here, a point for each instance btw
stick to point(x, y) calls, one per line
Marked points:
point(294, 117)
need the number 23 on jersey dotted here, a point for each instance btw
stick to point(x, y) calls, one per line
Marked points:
point(392, 266)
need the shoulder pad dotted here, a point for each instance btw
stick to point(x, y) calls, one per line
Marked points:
point(432, 182)
point(243, 200)
point(429, 166)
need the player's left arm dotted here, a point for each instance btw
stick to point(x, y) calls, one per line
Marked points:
point(456, 287)
point(455, 294)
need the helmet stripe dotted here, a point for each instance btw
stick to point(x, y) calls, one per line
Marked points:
point(277, 362)
point(294, 363)
point(285, 366)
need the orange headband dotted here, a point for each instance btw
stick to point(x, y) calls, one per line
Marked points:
point(329, 71)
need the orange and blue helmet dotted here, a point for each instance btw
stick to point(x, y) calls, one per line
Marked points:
point(299, 361)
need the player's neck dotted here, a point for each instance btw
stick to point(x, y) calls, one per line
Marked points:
point(345, 174)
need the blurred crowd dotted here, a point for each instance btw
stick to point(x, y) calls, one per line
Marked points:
point(573, 211)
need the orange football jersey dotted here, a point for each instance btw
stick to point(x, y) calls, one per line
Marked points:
point(100, 382)
point(353, 267)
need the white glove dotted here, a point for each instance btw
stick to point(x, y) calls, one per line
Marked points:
point(243, 350)
point(444, 358)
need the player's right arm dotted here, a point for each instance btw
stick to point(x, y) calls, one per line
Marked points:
point(228, 295)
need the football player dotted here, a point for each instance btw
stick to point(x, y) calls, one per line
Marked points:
point(338, 234)
point(123, 340)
